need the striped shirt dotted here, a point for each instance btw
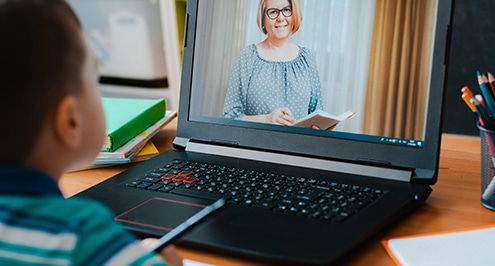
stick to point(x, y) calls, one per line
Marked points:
point(39, 227)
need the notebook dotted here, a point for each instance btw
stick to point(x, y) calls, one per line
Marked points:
point(294, 195)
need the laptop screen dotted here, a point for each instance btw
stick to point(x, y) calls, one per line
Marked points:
point(383, 62)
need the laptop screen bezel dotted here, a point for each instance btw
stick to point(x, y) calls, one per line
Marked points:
point(422, 161)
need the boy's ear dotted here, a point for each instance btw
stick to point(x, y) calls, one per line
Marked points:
point(68, 122)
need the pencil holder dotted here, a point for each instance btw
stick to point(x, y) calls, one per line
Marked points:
point(487, 167)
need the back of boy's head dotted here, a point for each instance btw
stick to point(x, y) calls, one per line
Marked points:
point(41, 59)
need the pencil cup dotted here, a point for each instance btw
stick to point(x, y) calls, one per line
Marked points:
point(487, 167)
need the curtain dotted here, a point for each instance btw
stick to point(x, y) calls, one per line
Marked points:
point(399, 68)
point(221, 31)
point(338, 32)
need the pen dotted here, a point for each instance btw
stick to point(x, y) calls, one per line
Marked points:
point(467, 99)
point(485, 119)
point(491, 146)
point(466, 90)
point(479, 98)
point(489, 190)
point(183, 227)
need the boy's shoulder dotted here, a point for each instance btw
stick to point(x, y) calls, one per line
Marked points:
point(80, 228)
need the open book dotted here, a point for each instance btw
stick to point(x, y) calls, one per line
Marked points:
point(322, 119)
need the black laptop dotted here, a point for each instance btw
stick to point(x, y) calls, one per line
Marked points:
point(294, 195)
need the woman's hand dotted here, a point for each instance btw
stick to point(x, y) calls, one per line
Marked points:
point(282, 116)
point(168, 254)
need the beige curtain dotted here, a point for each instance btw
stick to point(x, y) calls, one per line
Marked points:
point(399, 68)
point(222, 34)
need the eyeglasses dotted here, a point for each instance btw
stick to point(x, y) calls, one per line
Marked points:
point(273, 13)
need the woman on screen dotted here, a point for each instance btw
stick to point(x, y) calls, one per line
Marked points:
point(274, 81)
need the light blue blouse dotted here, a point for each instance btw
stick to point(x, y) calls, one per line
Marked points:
point(257, 86)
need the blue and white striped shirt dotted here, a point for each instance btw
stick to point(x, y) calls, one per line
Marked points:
point(38, 226)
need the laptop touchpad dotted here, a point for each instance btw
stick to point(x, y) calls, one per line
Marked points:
point(148, 214)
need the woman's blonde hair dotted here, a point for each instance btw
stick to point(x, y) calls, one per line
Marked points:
point(296, 13)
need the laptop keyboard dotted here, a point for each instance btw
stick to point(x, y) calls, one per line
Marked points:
point(312, 198)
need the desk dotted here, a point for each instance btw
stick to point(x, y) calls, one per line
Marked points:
point(454, 203)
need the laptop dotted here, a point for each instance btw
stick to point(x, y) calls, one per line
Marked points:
point(294, 195)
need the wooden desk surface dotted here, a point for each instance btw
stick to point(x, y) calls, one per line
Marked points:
point(454, 203)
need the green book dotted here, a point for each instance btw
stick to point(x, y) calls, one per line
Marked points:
point(126, 118)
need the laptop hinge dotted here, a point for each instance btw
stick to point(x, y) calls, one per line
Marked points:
point(180, 143)
point(300, 161)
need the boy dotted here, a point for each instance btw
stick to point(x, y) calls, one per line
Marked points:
point(52, 120)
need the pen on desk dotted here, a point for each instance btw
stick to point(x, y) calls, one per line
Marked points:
point(183, 227)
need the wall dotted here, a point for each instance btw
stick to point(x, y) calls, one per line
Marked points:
point(472, 49)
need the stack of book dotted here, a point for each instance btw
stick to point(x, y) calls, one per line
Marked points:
point(131, 123)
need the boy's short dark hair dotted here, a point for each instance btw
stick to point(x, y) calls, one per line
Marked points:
point(42, 53)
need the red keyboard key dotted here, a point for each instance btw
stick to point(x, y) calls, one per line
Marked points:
point(190, 180)
point(179, 178)
point(168, 176)
point(185, 173)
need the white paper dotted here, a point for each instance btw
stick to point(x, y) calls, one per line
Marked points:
point(473, 247)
